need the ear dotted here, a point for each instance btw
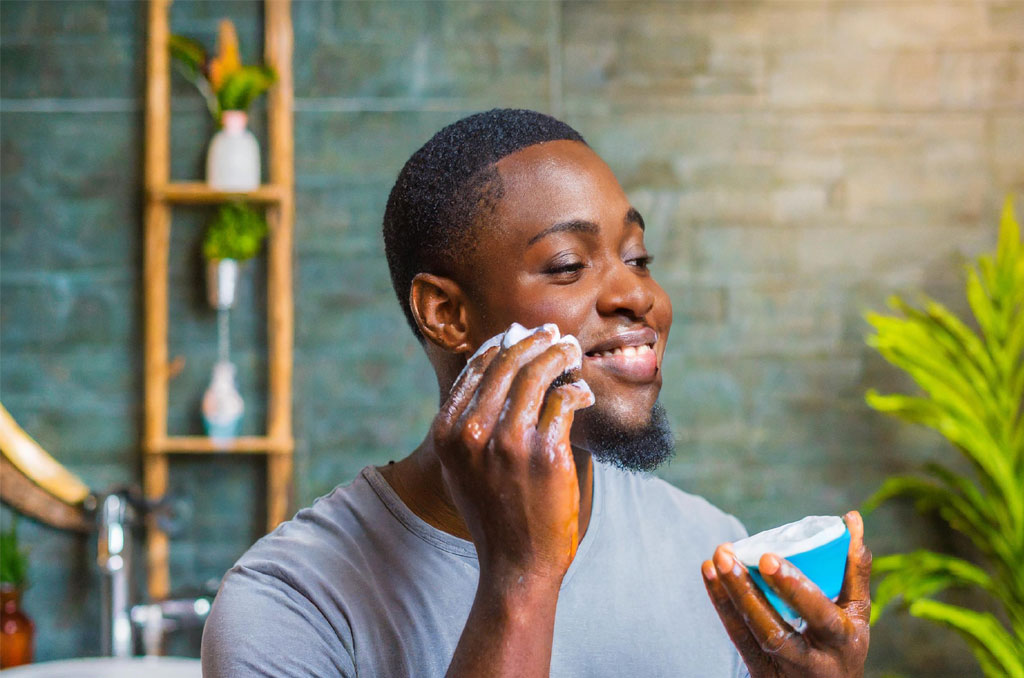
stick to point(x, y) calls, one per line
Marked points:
point(440, 308)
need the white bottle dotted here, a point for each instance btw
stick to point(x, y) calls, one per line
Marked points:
point(222, 404)
point(233, 159)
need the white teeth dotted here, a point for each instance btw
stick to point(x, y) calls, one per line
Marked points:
point(628, 351)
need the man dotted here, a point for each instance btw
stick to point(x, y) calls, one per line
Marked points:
point(515, 540)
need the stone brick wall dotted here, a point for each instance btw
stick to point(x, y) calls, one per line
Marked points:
point(796, 160)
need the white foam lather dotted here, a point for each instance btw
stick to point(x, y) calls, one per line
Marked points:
point(790, 539)
point(516, 333)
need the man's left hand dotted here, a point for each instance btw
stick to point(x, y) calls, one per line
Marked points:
point(835, 642)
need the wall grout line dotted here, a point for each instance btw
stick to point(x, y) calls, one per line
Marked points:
point(441, 105)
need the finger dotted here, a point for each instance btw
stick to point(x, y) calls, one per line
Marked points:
point(856, 593)
point(772, 633)
point(556, 419)
point(463, 390)
point(526, 396)
point(480, 416)
point(825, 621)
point(733, 622)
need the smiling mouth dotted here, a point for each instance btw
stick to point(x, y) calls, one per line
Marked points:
point(629, 357)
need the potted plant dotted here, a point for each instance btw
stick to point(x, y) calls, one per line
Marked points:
point(229, 88)
point(235, 235)
point(972, 385)
point(16, 629)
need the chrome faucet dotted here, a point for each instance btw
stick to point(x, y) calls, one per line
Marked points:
point(118, 514)
point(115, 561)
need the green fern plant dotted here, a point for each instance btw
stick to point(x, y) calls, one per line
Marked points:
point(236, 232)
point(973, 384)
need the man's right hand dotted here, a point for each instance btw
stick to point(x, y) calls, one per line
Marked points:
point(503, 442)
point(506, 456)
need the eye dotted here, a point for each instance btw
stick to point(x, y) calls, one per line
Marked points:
point(642, 262)
point(565, 267)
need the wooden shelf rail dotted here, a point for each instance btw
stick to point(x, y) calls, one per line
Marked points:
point(161, 195)
point(201, 444)
point(196, 193)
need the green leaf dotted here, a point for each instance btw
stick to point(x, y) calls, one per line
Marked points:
point(189, 54)
point(190, 60)
point(13, 558)
point(1008, 247)
point(961, 515)
point(972, 439)
point(916, 575)
point(242, 87)
point(999, 654)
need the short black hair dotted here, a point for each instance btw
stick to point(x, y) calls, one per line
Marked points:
point(447, 184)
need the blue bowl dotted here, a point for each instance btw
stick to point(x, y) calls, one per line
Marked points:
point(824, 565)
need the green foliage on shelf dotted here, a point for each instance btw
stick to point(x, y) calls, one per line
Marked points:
point(223, 81)
point(973, 394)
point(236, 232)
point(13, 559)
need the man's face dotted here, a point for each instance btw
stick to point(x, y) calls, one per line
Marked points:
point(564, 245)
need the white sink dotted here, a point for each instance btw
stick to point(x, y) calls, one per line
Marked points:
point(111, 667)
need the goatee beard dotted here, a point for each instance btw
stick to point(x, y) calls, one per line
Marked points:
point(639, 449)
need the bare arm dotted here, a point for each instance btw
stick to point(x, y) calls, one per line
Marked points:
point(503, 442)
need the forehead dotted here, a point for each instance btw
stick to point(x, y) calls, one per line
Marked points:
point(556, 181)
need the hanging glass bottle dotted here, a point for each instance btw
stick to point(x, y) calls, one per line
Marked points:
point(222, 403)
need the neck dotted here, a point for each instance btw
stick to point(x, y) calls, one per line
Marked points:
point(418, 482)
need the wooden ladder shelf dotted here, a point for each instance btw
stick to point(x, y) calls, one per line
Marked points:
point(161, 195)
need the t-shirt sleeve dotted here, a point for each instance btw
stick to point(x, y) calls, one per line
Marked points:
point(260, 626)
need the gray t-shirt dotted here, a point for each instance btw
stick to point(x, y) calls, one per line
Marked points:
point(357, 584)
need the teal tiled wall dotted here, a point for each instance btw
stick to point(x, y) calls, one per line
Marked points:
point(796, 162)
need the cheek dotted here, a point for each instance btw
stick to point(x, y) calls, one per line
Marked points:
point(569, 313)
point(532, 306)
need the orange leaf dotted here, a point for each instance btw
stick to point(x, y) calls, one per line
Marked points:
point(227, 60)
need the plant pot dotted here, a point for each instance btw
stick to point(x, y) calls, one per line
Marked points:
point(221, 282)
point(17, 632)
point(233, 158)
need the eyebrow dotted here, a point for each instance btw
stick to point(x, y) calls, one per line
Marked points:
point(633, 217)
point(583, 226)
point(576, 225)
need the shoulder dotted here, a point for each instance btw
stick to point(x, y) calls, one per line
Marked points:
point(651, 500)
point(328, 530)
point(283, 594)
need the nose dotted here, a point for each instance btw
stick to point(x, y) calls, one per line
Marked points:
point(625, 293)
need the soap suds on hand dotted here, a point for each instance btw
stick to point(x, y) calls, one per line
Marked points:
point(516, 333)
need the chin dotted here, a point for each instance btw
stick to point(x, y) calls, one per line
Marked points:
point(638, 439)
point(627, 411)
